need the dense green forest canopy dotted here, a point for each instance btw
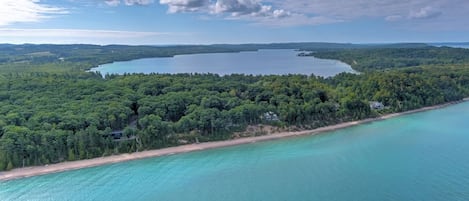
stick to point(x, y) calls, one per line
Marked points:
point(370, 59)
point(55, 111)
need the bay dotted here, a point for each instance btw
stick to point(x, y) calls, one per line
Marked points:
point(262, 62)
point(422, 156)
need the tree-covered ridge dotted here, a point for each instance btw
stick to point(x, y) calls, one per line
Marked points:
point(53, 111)
point(53, 117)
point(32, 58)
point(369, 59)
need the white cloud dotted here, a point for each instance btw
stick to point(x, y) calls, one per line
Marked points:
point(425, 13)
point(313, 12)
point(411, 14)
point(341, 9)
point(237, 7)
point(87, 36)
point(422, 13)
point(247, 8)
point(250, 10)
point(75, 33)
point(14, 11)
point(137, 2)
point(128, 2)
point(176, 6)
point(112, 2)
point(281, 13)
point(390, 10)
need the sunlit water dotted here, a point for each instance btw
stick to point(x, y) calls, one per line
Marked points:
point(418, 157)
point(262, 62)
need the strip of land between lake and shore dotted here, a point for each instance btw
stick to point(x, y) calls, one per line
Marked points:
point(74, 165)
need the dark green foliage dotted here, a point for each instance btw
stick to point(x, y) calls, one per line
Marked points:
point(369, 59)
point(52, 117)
point(53, 111)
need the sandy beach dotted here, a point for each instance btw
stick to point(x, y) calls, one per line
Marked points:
point(73, 165)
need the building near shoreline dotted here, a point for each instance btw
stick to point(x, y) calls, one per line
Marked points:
point(375, 105)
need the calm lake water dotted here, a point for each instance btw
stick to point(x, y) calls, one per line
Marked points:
point(262, 62)
point(422, 156)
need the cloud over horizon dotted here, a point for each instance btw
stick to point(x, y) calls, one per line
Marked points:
point(14, 11)
point(349, 20)
point(67, 36)
point(425, 13)
point(315, 12)
point(254, 11)
point(128, 2)
point(415, 12)
point(177, 6)
point(270, 12)
point(76, 33)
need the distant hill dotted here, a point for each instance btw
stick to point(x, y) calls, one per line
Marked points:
point(386, 58)
point(451, 44)
point(93, 55)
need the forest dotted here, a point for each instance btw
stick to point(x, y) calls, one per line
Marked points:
point(39, 58)
point(52, 111)
point(371, 59)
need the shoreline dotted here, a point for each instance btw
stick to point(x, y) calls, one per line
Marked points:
point(74, 165)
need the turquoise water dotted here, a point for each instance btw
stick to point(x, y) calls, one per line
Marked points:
point(262, 62)
point(418, 157)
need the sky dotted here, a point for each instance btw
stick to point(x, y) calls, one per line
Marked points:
point(167, 22)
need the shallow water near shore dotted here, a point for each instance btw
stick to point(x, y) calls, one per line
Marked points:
point(420, 156)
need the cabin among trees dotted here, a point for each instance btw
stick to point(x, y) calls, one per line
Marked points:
point(270, 117)
point(116, 135)
point(375, 105)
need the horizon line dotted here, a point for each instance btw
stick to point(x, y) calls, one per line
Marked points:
point(247, 43)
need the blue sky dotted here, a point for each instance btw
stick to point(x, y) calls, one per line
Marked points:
point(232, 21)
